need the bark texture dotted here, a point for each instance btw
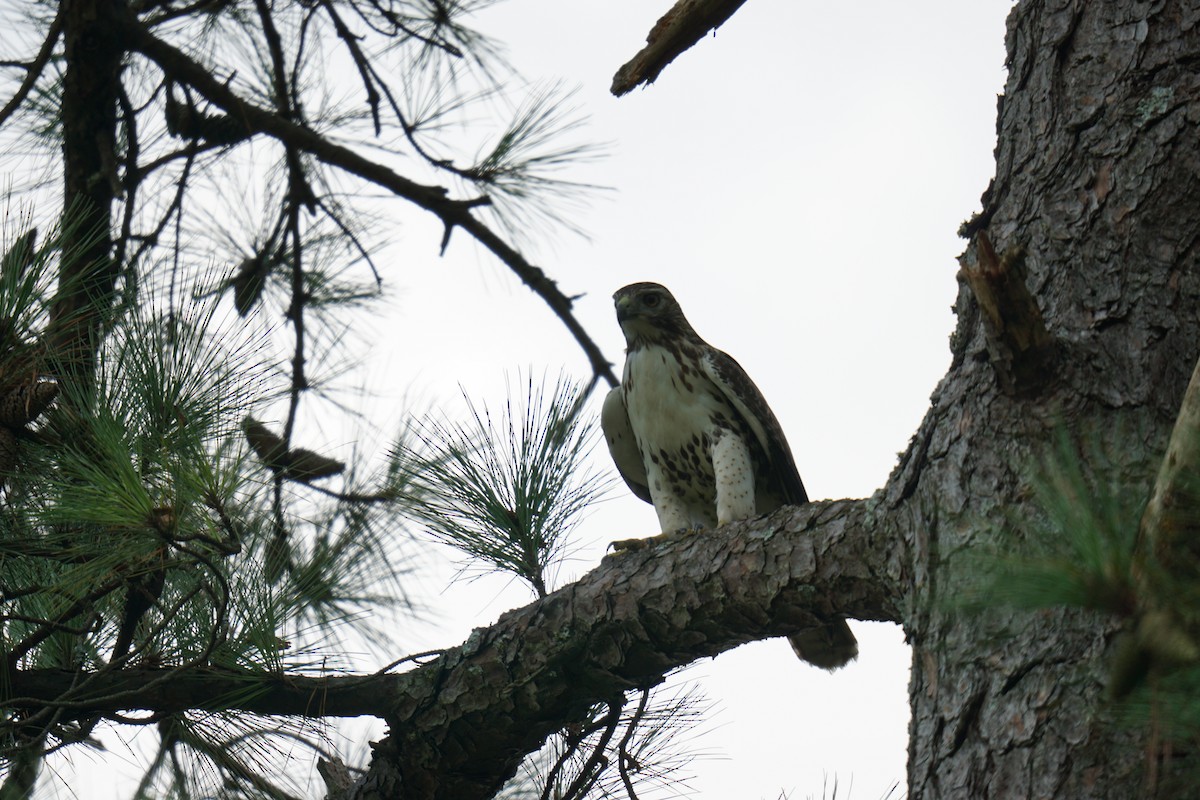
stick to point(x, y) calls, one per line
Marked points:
point(685, 24)
point(461, 724)
point(1097, 184)
point(1097, 187)
point(1098, 179)
point(465, 727)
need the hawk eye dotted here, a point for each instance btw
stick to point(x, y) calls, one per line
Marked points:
point(652, 300)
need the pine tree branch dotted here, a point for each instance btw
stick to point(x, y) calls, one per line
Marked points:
point(91, 85)
point(1169, 526)
point(461, 724)
point(435, 199)
point(1160, 638)
point(34, 70)
point(686, 23)
point(169, 691)
point(624, 626)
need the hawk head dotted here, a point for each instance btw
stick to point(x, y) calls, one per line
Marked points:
point(648, 313)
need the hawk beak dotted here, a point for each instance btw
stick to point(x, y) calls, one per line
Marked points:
point(623, 312)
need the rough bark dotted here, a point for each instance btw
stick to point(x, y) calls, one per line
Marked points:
point(1097, 179)
point(461, 724)
point(1098, 182)
point(624, 626)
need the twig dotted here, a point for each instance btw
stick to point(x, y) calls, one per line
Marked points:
point(453, 213)
point(623, 757)
point(440, 44)
point(573, 740)
point(360, 61)
point(597, 761)
point(34, 69)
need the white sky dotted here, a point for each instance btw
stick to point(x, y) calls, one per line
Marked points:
point(797, 181)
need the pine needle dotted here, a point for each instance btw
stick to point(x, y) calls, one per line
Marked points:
point(506, 489)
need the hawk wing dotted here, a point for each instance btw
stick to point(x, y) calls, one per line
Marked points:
point(741, 393)
point(614, 420)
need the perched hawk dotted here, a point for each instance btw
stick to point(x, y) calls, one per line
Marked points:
point(692, 435)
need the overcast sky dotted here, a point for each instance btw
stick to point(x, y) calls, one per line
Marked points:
point(797, 181)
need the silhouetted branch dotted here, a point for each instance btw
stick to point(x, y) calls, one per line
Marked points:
point(461, 724)
point(453, 213)
point(33, 70)
point(686, 23)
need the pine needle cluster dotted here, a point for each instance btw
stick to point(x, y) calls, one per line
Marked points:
point(506, 489)
point(134, 519)
point(163, 503)
point(642, 745)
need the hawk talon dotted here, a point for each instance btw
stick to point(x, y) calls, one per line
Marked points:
point(626, 545)
point(642, 543)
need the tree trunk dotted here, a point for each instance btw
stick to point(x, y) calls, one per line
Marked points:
point(1098, 181)
point(1077, 317)
point(1077, 312)
point(93, 50)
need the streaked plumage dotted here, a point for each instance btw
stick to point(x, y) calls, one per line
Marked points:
point(691, 434)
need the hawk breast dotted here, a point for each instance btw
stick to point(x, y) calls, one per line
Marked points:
point(676, 414)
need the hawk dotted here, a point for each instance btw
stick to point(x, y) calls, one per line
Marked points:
point(692, 435)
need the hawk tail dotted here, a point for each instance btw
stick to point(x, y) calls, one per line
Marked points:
point(829, 647)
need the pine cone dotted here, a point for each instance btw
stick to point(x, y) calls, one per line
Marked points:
point(270, 448)
point(21, 255)
point(248, 283)
point(305, 465)
point(26, 402)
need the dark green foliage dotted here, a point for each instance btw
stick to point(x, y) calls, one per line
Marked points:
point(132, 531)
point(139, 527)
point(506, 489)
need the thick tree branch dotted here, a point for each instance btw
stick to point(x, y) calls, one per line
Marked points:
point(686, 23)
point(453, 213)
point(461, 724)
point(463, 731)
